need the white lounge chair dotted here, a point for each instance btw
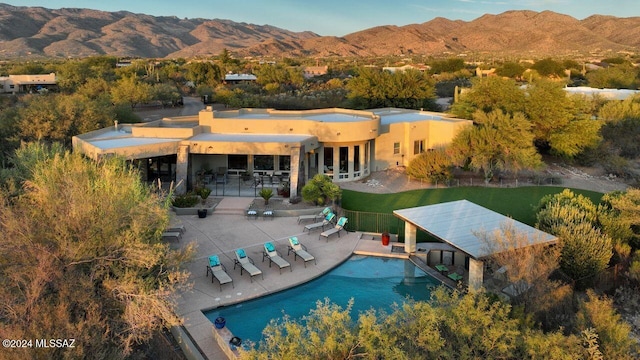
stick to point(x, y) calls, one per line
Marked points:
point(218, 271)
point(314, 217)
point(274, 257)
point(299, 250)
point(246, 264)
point(339, 226)
point(327, 220)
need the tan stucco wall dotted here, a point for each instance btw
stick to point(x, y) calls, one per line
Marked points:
point(360, 129)
point(433, 132)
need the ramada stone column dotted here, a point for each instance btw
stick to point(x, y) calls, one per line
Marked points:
point(409, 237)
point(294, 173)
point(182, 168)
point(476, 269)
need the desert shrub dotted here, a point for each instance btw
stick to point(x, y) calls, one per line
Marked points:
point(320, 190)
point(187, 200)
point(434, 166)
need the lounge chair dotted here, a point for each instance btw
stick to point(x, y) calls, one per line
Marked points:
point(177, 228)
point(314, 217)
point(218, 271)
point(442, 268)
point(455, 277)
point(339, 226)
point(299, 250)
point(274, 257)
point(166, 235)
point(327, 220)
point(246, 264)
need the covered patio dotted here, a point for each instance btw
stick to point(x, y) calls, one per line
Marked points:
point(458, 224)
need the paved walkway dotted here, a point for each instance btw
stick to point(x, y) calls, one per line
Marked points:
point(222, 233)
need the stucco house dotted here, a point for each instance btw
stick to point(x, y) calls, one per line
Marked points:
point(27, 83)
point(344, 144)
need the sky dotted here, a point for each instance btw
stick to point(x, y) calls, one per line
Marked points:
point(341, 17)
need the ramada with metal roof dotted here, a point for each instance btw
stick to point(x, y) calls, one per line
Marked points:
point(458, 223)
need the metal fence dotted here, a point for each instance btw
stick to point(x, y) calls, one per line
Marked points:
point(500, 182)
point(373, 222)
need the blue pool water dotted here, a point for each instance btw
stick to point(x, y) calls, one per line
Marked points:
point(371, 281)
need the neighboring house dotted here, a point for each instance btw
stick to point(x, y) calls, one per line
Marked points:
point(393, 69)
point(607, 94)
point(239, 78)
point(344, 144)
point(27, 83)
point(312, 71)
point(485, 72)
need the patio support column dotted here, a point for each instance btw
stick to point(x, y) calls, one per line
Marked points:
point(182, 168)
point(409, 237)
point(295, 171)
point(320, 152)
point(476, 269)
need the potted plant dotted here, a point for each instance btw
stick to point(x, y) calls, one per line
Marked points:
point(266, 194)
point(283, 189)
point(385, 238)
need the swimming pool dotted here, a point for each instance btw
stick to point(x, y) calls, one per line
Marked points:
point(373, 282)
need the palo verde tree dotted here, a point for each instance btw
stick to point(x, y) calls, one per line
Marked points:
point(498, 142)
point(81, 257)
point(449, 326)
point(373, 88)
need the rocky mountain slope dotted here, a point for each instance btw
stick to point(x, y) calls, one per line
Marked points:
point(36, 31)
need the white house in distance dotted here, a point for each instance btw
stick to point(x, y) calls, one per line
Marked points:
point(289, 147)
point(608, 94)
point(15, 84)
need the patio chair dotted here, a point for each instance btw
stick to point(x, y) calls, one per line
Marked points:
point(251, 212)
point(314, 217)
point(218, 271)
point(246, 264)
point(267, 213)
point(327, 220)
point(299, 250)
point(339, 226)
point(221, 178)
point(274, 257)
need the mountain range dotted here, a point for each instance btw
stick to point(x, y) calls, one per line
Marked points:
point(73, 32)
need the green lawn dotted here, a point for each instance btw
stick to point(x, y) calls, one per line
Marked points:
point(517, 203)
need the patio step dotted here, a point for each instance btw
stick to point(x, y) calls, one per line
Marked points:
point(228, 211)
point(233, 206)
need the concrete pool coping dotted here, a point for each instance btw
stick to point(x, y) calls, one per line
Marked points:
point(223, 233)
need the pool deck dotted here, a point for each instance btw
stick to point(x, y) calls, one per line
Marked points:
point(228, 229)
